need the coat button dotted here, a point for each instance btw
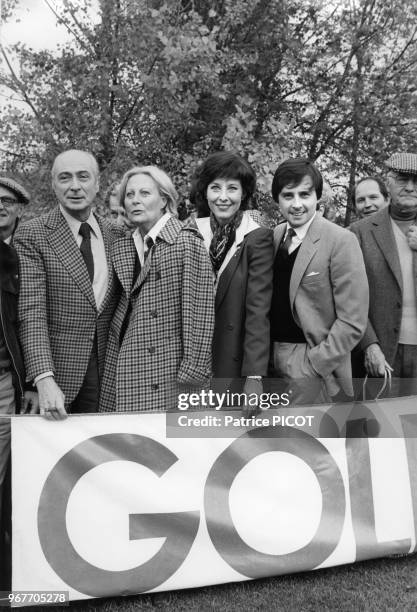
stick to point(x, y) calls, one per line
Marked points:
point(154, 314)
point(151, 349)
point(154, 387)
point(229, 326)
point(157, 275)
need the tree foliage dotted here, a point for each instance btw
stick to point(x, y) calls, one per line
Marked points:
point(166, 82)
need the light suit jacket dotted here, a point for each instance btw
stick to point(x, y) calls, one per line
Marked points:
point(329, 297)
point(57, 310)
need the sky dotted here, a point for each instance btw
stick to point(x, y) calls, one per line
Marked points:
point(34, 24)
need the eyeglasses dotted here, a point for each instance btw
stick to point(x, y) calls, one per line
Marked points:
point(403, 179)
point(8, 202)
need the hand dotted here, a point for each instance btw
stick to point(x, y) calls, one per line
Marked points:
point(30, 403)
point(51, 399)
point(375, 362)
point(252, 387)
point(412, 237)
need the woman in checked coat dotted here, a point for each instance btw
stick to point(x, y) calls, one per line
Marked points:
point(161, 334)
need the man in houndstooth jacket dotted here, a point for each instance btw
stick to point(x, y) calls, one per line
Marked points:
point(68, 290)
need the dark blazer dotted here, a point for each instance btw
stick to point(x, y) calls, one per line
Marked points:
point(243, 300)
point(57, 310)
point(382, 263)
point(329, 297)
point(167, 342)
point(9, 290)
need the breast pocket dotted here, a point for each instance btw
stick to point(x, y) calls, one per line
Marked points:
point(312, 279)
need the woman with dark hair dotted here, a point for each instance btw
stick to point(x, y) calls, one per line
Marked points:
point(241, 255)
point(161, 333)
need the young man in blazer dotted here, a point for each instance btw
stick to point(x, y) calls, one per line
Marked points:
point(68, 290)
point(320, 298)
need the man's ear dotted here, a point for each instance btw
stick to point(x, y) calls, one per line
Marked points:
point(19, 212)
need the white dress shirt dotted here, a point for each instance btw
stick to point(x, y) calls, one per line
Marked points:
point(300, 234)
point(140, 243)
point(101, 273)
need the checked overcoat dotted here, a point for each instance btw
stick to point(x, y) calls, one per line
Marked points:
point(167, 343)
point(57, 311)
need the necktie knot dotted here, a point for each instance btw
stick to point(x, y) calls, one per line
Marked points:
point(85, 230)
point(287, 242)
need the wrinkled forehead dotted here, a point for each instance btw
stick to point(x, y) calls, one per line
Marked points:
point(74, 163)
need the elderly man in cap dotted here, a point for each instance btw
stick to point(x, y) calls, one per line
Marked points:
point(12, 199)
point(388, 240)
point(15, 395)
point(68, 290)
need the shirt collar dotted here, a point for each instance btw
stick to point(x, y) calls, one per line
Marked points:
point(75, 225)
point(8, 240)
point(155, 229)
point(302, 230)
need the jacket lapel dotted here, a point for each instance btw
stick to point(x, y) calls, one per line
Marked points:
point(384, 236)
point(307, 249)
point(279, 232)
point(168, 234)
point(123, 259)
point(106, 232)
point(62, 242)
point(227, 275)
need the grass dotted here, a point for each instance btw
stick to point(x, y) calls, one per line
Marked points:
point(373, 586)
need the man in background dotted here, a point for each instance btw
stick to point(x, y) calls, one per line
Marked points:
point(371, 194)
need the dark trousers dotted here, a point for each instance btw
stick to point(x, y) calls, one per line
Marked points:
point(6, 535)
point(88, 395)
point(405, 371)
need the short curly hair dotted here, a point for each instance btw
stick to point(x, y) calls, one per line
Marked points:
point(224, 164)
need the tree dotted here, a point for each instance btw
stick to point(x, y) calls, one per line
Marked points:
point(166, 82)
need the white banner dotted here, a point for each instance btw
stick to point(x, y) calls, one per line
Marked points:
point(108, 505)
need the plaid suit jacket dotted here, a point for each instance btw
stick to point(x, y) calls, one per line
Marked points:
point(57, 310)
point(168, 339)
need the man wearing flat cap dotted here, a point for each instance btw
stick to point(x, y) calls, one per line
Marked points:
point(12, 199)
point(15, 395)
point(68, 290)
point(389, 244)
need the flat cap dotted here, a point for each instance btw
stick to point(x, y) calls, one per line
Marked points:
point(17, 189)
point(403, 162)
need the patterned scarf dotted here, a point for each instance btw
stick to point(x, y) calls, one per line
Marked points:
point(223, 238)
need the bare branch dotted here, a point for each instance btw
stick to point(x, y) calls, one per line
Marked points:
point(65, 23)
point(135, 101)
point(19, 84)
